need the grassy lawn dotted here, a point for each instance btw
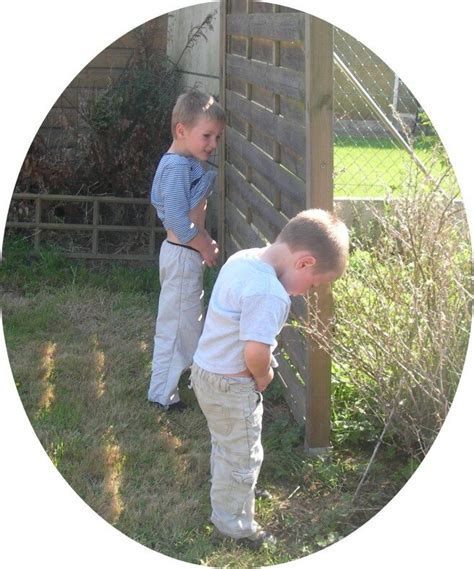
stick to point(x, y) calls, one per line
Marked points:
point(366, 167)
point(79, 342)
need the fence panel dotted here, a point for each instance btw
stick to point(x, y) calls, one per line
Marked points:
point(44, 217)
point(265, 175)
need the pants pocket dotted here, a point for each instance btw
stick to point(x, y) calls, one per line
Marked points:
point(255, 407)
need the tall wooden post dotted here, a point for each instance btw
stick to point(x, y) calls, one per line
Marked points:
point(222, 145)
point(319, 194)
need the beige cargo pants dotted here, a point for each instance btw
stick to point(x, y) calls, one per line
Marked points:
point(233, 409)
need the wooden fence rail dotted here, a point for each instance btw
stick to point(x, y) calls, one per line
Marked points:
point(154, 230)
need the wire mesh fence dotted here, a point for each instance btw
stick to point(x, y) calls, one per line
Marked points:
point(377, 124)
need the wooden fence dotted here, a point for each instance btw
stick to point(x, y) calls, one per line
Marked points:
point(276, 160)
point(41, 214)
point(65, 118)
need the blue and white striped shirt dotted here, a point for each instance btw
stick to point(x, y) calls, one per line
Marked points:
point(179, 185)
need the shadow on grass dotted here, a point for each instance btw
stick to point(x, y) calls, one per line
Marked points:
point(81, 357)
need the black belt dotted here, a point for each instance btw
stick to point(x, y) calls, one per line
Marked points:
point(180, 245)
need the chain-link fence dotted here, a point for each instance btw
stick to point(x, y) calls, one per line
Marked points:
point(377, 123)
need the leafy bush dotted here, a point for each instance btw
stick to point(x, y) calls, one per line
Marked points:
point(124, 128)
point(129, 128)
point(402, 318)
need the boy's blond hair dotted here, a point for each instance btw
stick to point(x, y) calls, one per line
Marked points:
point(321, 233)
point(193, 105)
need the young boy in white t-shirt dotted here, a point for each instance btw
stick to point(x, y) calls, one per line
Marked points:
point(233, 363)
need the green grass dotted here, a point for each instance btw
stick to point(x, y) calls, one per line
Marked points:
point(374, 167)
point(79, 343)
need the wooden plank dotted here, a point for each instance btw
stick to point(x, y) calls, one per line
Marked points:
point(319, 175)
point(68, 99)
point(287, 133)
point(37, 239)
point(237, 46)
point(294, 391)
point(263, 97)
point(278, 27)
point(293, 162)
point(237, 224)
point(84, 227)
point(294, 342)
point(79, 198)
point(245, 196)
point(60, 118)
point(112, 58)
point(109, 256)
point(262, 50)
point(237, 6)
point(232, 246)
point(95, 232)
point(299, 308)
point(284, 203)
point(292, 56)
point(276, 79)
point(263, 140)
point(293, 110)
point(98, 78)
point(282, 179)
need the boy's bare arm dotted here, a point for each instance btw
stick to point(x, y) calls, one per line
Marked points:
point(258, 358)
point(208, 248)
point(203, 242)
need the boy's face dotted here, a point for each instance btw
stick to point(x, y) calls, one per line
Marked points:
point(201, 139)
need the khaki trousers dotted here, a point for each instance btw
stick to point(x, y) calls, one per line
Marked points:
point(233, 409)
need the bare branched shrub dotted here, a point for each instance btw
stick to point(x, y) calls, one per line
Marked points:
point(402, 313)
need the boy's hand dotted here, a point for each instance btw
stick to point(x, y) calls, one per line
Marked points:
point(263, 382)
point(258, 359)
point(210, 254)
point(206, 246)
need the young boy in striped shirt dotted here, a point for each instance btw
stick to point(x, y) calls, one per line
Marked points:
point(179, 193)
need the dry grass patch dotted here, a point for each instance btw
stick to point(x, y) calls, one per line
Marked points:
point(81, 359)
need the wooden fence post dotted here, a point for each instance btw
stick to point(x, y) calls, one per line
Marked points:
point(95, 231)
point(37, 238)
point(222, 146)
point(319, 194)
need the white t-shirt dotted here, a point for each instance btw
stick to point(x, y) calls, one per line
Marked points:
point(248, 302)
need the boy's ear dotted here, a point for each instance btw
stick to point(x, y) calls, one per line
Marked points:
point(179, 129)
point(305, 261)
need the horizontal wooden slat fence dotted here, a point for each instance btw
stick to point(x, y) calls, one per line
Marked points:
point(37, 219)
point(276, 160)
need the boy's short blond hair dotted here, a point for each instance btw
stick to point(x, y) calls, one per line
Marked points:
point(193, 105)
point(321, 233)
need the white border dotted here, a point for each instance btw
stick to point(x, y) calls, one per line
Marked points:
point(44, 45)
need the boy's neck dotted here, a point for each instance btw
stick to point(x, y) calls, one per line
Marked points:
point(276, 255)
point(177, 148)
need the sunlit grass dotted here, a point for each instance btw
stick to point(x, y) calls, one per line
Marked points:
point(47, 396)
point(372, 168)
point(80, 355)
